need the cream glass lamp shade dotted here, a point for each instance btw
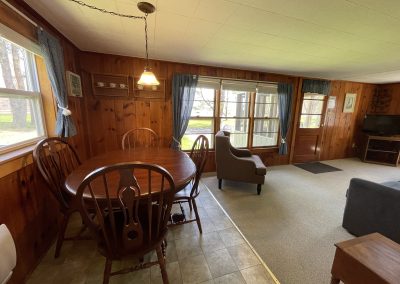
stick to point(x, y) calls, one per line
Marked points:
point(148, 78)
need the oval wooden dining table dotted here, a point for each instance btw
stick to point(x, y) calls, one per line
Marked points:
point(177, 163)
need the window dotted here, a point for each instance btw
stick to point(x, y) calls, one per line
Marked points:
point(21, 115)
point(234, 116)
point(201, 119)
point(249, 111)
point(266, 120)
point(311, 111)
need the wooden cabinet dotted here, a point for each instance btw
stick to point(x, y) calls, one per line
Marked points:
point(382, 150)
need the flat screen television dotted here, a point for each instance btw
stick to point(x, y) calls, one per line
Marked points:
point(382, 124)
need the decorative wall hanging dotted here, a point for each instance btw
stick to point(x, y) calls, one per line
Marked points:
point(74, 85)
point(349, 102)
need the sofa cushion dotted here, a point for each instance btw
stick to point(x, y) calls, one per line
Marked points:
point(392, 184)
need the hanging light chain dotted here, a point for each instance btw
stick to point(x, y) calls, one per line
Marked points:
point(108, 12)
point(145, 33)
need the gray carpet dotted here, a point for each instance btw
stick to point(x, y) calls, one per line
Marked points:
point(296, 220)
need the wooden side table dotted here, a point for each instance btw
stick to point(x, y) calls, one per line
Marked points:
point(370, 259)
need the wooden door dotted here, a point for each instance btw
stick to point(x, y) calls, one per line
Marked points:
point(309, 128)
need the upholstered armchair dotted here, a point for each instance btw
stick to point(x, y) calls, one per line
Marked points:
point(237, 164)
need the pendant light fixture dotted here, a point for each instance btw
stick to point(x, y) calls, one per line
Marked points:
point(147, 78)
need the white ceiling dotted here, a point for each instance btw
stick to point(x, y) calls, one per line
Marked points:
point(356, 40)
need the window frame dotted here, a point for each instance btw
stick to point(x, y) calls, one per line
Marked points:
point(248, 118)
point(251, 118)
point(265, 118)
point(34, 96)
point(212, 118)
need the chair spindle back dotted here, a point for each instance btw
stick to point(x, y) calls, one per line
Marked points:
point(56, 159)
point(140, 137)
point(131, 213)
point(199, 154)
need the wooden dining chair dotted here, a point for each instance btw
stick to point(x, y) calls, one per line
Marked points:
point(188, 195)
point(56, 159)
point(133, 203)
point(140, 137)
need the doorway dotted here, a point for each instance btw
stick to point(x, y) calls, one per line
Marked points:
point(310, 125)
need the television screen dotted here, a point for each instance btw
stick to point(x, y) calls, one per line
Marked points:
point(382, 124)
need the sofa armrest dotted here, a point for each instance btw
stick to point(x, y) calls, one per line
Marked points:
point(372, 207)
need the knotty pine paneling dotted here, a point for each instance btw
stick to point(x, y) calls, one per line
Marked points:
point(341, 130)
point(30, 213)
point(391, 96)
point(107, 118)
point(26, 206)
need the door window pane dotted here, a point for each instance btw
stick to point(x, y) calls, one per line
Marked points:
point(312, 107)
point(313, 96)
point(310, 121)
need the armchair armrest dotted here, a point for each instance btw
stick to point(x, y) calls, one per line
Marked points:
point(240, 152)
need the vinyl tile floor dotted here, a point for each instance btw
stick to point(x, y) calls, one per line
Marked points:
point(219, 255)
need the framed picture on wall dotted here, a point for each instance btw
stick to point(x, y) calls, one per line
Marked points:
point(74, 86)
point(349, 102)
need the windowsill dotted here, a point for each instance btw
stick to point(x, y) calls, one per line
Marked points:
point(15, 154)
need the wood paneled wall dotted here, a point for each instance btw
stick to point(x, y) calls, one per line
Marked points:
point(108, 118)
point(340, 137)
point(26, 206)
point(385, 100)
point(30, 213)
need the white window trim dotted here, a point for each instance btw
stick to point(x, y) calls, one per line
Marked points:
point(25, 43)
point(19, 39)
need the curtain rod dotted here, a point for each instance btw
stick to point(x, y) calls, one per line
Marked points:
point(20, 13)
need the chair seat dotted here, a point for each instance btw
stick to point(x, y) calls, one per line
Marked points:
point(184, 193)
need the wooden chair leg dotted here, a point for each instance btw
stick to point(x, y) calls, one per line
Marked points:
point(161, 262)
point(190, 206)
point(107, 271)
point(258, 189)
point(61, 234)
point(164, 245)
point(220, 183)
point(197, 215)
